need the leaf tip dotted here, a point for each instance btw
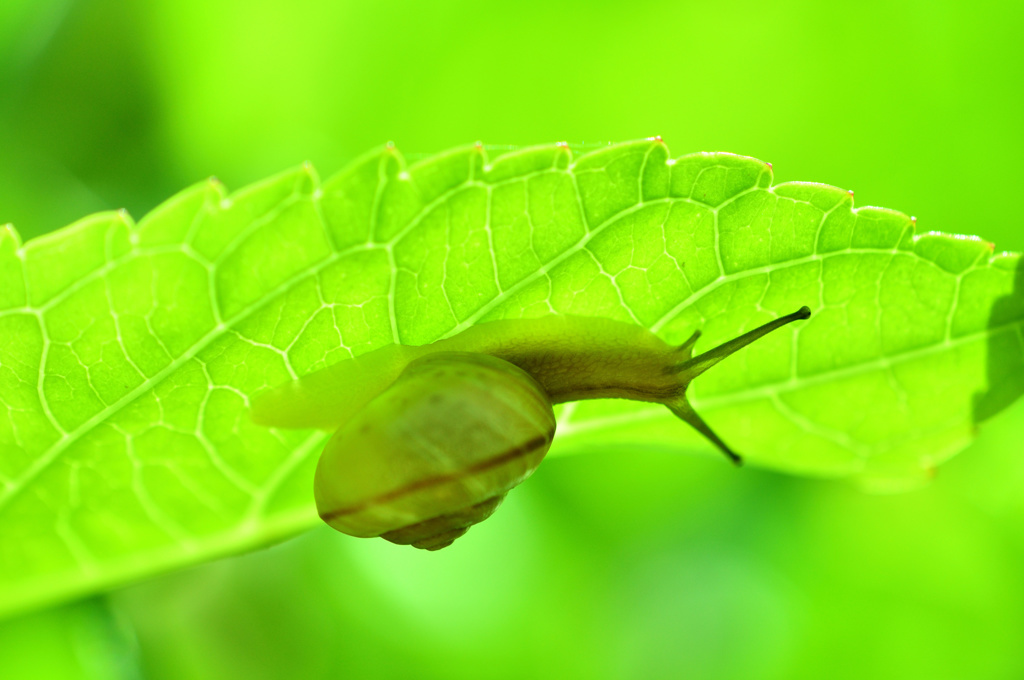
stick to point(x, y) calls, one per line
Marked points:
point(312, 177)
point(9, 233)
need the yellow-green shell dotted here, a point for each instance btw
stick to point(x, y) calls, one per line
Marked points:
point(455, 430)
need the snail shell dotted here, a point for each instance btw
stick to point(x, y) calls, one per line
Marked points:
point(436, 452)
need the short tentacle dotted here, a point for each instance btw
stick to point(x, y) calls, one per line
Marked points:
point(686, 349)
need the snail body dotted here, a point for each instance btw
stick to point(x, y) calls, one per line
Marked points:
point(429, 439)
point(572, 357)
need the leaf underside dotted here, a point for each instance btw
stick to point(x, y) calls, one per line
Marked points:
point(128, 353)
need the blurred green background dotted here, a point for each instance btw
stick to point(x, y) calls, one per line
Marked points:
point(633, 565)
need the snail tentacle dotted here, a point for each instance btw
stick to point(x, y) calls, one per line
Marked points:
point(681, 407)
point(697, 365)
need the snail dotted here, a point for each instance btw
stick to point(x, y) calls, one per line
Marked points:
point(429, 439)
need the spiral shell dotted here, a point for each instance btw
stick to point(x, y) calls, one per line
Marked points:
point(436, 452)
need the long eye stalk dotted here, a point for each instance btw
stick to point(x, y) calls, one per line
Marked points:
point(693, 367)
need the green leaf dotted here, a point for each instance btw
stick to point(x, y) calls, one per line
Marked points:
point(128, 354)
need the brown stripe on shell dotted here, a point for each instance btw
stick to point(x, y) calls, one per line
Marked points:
point(510, 455)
